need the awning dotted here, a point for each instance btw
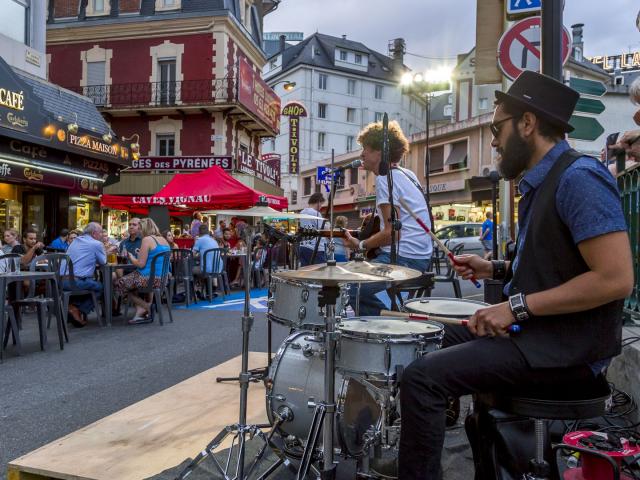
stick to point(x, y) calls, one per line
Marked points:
point(210, 189)
point(458, 154)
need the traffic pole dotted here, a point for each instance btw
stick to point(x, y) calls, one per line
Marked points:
point(551, 37)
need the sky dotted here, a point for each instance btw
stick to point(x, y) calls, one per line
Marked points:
point(441, 29)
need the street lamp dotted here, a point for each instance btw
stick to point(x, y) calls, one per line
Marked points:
point(288, 86)
point(427, 83)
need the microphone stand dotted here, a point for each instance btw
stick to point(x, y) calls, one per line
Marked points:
point(386, 169)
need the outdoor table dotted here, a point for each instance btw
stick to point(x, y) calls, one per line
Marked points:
point(107, 286)
point(11, 277)
point(185, 242)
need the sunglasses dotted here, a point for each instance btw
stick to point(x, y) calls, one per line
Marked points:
point(495, 130)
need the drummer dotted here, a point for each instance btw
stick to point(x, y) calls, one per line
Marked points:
point(572, 268)
point(414, 247)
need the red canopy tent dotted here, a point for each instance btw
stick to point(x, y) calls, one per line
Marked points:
point(210, 189)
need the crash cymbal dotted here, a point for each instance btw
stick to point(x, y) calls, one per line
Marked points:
point(263, 212)
point(349, 272)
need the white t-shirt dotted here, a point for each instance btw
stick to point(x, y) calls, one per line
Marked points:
point(414, 241)
point(315, 224)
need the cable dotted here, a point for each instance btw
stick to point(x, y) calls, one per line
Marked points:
point(431, 58)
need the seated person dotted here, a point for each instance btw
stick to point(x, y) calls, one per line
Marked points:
point(132, 243)
point(168, 236)
point(85, 252)
point(30, 249)
point(10, 240)
point(62, 242)
point(152, 244)
point(203, 243)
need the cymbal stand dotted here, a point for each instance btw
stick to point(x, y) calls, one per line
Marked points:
point(241, 430)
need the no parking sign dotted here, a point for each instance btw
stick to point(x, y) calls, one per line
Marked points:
point(519, 47)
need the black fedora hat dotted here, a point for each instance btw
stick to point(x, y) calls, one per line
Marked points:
point(547, 98)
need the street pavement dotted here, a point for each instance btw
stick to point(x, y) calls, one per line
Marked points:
point(46, 395)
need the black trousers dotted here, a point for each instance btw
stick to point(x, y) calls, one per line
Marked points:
point(466, 364)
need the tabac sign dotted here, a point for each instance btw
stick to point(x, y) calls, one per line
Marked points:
point(294, 110)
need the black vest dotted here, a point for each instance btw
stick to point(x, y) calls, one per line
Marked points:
point(550, 258)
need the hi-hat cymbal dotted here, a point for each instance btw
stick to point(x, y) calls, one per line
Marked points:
point(349, 272)
point(263, 212)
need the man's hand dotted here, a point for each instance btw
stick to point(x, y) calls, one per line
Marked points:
point(630, 143)
point(491, 321)
point(470, 265)
point(351, 240)
point(38, 245)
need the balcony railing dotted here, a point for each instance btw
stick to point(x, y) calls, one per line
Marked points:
point(629, 185)
point(161, 94)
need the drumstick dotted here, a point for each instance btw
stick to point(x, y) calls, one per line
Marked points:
point(437, 240)
point(446, 320)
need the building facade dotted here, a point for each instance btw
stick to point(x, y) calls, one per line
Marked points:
point(57, 153)
point(182, 74)
point(343, 85)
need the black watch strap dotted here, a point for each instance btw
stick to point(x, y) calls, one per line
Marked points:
point(519, 307)
point(499, 269)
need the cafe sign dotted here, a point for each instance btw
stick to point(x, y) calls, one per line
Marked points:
point(266, 171)
point(294, 110)
point(183, 164)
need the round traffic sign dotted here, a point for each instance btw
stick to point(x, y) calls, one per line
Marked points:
point(519, 47)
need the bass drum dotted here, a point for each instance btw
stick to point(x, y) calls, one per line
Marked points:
point(296, 381)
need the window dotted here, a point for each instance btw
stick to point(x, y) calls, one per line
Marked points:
point(618, 80)
point(294, 195)
point(322, 110)
point(483, 103)
point(351, 115)
point(98, 6)
point(436, 155)
point(353, 176)
point(317, 188)
point(96, 89)
point(273, 64)
point(378, 116)
point(343, 55)
point(350, 142)
point(340, 180)
point(379, 92)
point(351, 87)
point(322, 81)
point(167, 86)
point(169, 3)
point(457, 158)
point(165, 145)
point(358, 58)
point(307, 186)
point(321, 140)
point(13, 21)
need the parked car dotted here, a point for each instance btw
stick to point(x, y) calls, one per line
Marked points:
point(466, 233)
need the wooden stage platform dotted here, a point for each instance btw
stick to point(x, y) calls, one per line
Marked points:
point(150, 436)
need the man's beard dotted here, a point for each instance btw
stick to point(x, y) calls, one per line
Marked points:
point(515, 157)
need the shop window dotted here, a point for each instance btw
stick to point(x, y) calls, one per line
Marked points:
point(165, 145)
point(353, 176)
point(351, 87)
point(457, 158)
point(307, 186)
point(436, 155)
point(14, 20)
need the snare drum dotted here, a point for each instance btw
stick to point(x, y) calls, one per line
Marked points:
point(295, 304)
point(444, 307)
point(373, 347)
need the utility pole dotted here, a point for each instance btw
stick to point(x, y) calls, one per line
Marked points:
point(551, 60)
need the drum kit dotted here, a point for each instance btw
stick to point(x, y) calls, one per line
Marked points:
point(332, 389)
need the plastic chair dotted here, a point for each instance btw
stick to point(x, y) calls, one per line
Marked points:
point(415, 288)
point(9, 262)
point(158, 292)
point(182, 268)
point(450, 275)
point(217, 259)
point(66, 265)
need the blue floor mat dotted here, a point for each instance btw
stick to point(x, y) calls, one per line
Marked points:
point(232, 302)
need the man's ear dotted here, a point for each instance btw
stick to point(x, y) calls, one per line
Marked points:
point(528, 123)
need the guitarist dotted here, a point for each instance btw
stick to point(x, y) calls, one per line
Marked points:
point(414, 246)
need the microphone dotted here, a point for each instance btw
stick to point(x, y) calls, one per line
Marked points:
point(355, 164)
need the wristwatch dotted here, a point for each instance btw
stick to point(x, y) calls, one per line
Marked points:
point(361, 245)
point(519, 308)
